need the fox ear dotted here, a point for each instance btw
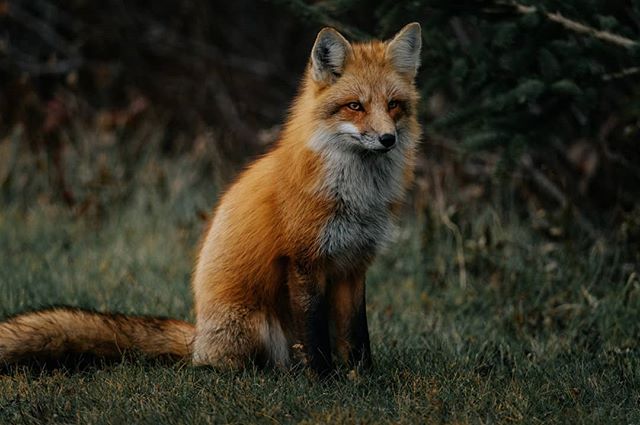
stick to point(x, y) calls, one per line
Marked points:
point(328, 55)
point(404, 49)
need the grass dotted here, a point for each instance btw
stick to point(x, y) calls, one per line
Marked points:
point(540, 330)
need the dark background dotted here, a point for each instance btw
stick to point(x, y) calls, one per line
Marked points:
point(512, 99)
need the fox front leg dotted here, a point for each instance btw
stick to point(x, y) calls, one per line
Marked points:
point(349, 314)
point(309, 310)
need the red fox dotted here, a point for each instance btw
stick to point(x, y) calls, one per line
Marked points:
point(284, 258)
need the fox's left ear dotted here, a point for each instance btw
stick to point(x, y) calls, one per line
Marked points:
point(404, 49)
point(328, 55)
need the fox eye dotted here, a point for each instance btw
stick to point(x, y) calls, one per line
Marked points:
point(393, 104)
point(355, 106)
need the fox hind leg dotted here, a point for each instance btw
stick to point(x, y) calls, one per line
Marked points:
point(274, 343)
point(226, 339)
point(238, 337)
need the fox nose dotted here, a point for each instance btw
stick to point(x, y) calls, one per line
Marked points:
point(388, 140)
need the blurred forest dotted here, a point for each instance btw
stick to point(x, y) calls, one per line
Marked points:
point(536, 99)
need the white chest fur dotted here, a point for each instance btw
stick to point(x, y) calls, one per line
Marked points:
point(363, 185)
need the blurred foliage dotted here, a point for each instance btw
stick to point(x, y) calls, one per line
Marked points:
point(543, 95)
point(528, 81)
point(201, 65)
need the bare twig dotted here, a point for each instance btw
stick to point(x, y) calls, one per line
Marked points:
point(315, 13)
point(622, 74)
point(159, 35)
point(462, 269)
point(48, 68)
point(577, 26)
point(446, 220)
point(556, 194)
point(8, 149)
point(460, 32)
point(56, 15)
point(228, 108)
point(609, 125)
point(40, 27)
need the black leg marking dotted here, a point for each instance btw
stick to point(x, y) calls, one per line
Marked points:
point(317, 331)
point(360, 347)
point(310, 314)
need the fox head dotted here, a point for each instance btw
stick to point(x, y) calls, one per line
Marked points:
point(363, 94)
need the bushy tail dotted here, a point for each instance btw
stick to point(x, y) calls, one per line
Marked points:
point(52, 334)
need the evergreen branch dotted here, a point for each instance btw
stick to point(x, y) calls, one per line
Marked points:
point(316, 14)
point(577, 26)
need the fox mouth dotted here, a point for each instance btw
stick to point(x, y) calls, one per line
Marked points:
point(363, 142)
